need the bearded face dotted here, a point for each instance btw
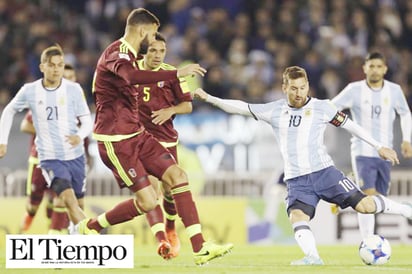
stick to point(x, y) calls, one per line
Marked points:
point(144, 45)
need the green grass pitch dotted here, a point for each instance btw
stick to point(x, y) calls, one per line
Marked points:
point(249, 259)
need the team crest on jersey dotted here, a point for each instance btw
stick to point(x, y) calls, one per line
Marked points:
point(308, 112)
point(160, 84)
point(124, 56)
point(40, 103)
point(61, 101)
point(132, 172)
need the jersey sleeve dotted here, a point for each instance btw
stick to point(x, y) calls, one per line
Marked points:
point(81, 107)
point(20, 102)
point(181, 90)
point(345, 98)
point(121, 65)
point(262, 111)
point(401, 105)
point(332, 114)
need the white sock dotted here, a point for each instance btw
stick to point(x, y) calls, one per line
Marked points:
point(366, 224)
point(305, 239)
point(389, 206)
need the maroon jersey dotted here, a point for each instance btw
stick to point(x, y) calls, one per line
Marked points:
point(117, 73)
point(160, 95)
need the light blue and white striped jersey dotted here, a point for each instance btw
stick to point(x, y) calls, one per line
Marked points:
point(54, 115)
point(299, 133)
point(375, 111)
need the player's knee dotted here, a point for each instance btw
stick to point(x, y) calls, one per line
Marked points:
point(174, 175)
point(59, 185)
point(147, 204)
point(299, 211)
point(297, 215)
point(167, 191)
point(366, 205)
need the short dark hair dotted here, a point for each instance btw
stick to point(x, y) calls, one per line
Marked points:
point(68, 66)
point(141, 16)
point(50, 52)
point(160, 37)
point(375, 55)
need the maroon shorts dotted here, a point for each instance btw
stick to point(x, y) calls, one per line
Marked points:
point(131, 160)
point(36, 184)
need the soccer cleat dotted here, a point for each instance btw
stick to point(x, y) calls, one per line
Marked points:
point(26, 223)
point(308, 260)
point(164, 250)
point(210, 251)
point(174, 241)
point(83, 229)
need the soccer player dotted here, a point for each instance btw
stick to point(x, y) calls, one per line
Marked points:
point(158, 104)
point(36, 185)
point(128, 149)
point(69, 73)
point(299, 122)
point(374, 103)
point(56, 105)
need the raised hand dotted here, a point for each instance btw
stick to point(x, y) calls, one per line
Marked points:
point(191, 69)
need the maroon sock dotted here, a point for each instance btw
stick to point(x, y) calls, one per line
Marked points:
point(59, 219)
point(49, 211)
point(155, 216)
point(170, 209)
point(186, 208)
point(120, 213)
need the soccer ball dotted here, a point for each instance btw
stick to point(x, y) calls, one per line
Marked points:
point(375, 250)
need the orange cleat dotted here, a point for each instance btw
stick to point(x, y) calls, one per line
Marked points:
point(174, 242)
point(164, 250)
point(26, 223)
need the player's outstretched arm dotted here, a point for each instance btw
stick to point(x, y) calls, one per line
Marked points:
point(200, 94)
point(191, 69)
point(6, 122)
point(406, 128)
point(229, 106)
point(384, 152)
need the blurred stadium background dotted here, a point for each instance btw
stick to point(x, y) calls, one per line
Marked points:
point(233, 162)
